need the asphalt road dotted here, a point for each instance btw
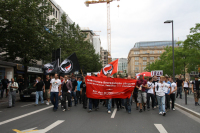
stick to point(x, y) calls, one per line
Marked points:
point(26, 117)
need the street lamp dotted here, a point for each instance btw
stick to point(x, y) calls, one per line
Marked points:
point(171, 21)
point(149, 60)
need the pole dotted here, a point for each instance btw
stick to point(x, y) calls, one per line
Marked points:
point(173, 49)
point(149, 62)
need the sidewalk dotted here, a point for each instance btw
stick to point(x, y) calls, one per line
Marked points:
point(190, 107)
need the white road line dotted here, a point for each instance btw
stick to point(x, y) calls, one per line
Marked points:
point(113, 114)
point(21, 116)
point(160, 128)
point(27, 105)
point(52, 126)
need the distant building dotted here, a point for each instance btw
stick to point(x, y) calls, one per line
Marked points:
point(97, 44)
point(154, 44)
point(89, 34)
point(122, 64)
point(104, 56)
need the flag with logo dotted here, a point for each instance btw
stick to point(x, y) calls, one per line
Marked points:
point(111, 68)
point(51, 67)
point(69, 65)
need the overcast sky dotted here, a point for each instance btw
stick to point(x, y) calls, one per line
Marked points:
point(135, 20)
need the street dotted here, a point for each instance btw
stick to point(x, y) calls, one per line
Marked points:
point(26, 117)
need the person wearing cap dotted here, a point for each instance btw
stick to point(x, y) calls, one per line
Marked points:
point(196, 90)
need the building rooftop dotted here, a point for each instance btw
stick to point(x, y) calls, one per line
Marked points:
point(154, 43)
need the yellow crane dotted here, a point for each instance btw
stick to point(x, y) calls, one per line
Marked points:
point(108, 22)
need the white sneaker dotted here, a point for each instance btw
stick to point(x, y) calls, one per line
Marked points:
point(174, 109)
point(109, 112)
point(47, 103)
point(64, 110)
point(160, 113)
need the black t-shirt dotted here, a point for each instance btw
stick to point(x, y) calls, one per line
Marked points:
point(39, 86)
point(47, 84)
point(196, 85)
point(64, 88)
point(83, 85)
point(4, 82)
point(154, 82)
point(179, 82)
point(74, 84)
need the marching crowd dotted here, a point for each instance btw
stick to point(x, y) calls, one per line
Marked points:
point(147, 93)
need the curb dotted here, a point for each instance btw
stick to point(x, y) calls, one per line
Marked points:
point(187, 110)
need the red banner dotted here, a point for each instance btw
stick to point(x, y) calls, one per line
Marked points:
point(108, 88)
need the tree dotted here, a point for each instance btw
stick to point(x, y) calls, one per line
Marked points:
point(25, 30)
point(73, 40)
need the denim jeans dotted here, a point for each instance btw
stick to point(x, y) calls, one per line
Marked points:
point(37, 95)
point(109, 101)
point(73, 94)
point(55, 103)
point(128, 104)
point(179, 91)
point(161, 103)
point(93, 101)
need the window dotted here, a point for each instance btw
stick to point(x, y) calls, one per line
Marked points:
point(53, 11)
point(151, 62)
point(136, 58)
point(136, 68)
point(136, 52)
point(144, 63)
point(158, 58)
point(143, 68)
point(56, 14)
point(151, 58)
point(160, 51)
point(144, 58)
point(136, 63)
point(144, 52)
point(151, 52)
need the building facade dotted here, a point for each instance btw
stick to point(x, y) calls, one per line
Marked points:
point(122, 64)
point(97, 44)
point(89, 34)
point(104, 56)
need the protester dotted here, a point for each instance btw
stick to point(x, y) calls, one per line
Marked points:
point(155, 81)
point(39, 92)
point(66, 92)
point(160, 93)
point(12, 88)
point(128, 100)
point(46, 89)
point(179, 83)
point(55, 89)
point(186, 85)
point(74, 89)
point(21, 84)
point(83, 93)
point(135, 95)
point(167, 94)
point(78, 94)
point(150, 94)
point(172, 93)
point(196, 90)
point(109, 101)
point(118, 100)
point(4, 86)
point(142, 85)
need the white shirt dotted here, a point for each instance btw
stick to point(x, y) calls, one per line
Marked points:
point(150, 84)
point(55, 85)
point(14, 84)
point(161, 89)
point(185, 84)
point(173, 87)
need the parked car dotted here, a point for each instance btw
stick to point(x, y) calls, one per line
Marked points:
point(28, 93)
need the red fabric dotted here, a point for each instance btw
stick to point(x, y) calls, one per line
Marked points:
point(108, 88)
point(111, 68)
point(146, 74)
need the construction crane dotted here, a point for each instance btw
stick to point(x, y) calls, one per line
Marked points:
point(108, 22)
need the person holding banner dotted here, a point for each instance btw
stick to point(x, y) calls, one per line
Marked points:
point(128, 101)
point(160, 89)
point(118, 100)
point(142, 85)
point(83, 94)
point(109, 101)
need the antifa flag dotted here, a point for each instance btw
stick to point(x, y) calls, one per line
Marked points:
point(69, 65)
point(111, 68)
point(51, 67)
point(108, 88)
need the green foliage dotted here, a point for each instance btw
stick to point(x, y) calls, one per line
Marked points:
point(73, 40)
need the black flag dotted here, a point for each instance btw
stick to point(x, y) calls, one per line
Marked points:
point(69, 65)
point(51, 67)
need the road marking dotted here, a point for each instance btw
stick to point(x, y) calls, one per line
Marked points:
point(41, 130)
point(113, 114)
point(22, 116)
point(27, 105)
point(160, 128)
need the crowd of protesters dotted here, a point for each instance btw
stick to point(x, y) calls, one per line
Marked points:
point(148, 94)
